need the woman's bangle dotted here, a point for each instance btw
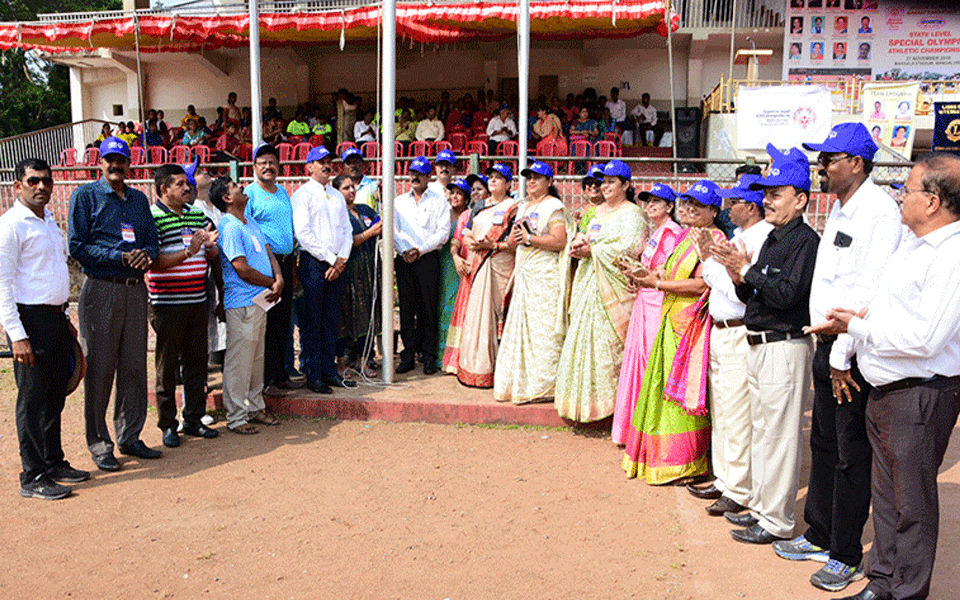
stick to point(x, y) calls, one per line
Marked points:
point(657, 284)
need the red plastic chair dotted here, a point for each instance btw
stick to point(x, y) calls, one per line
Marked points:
point(578, 148)
point(437, 147)
point(316, 140)
point(68, 158)
point(91, 159)
point(157, 155)
point(296, 139)
point(180, 154)
point(458, 128)
point(613, 136)
point(136, 158)
point(343, 146)
point(605, 149)
point(479, 147)
point(371, 151)
point(509, 148)
point(458, 142)
point(549, 148)
point(174, 133)
point(300, 152)
point(419, 148)
point(480, 137)
point(203, 152)
point(285, 150)
point(245, 154)
point(400, 167)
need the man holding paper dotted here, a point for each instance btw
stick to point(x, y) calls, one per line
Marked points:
point(252, 284)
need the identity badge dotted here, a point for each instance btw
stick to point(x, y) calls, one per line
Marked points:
point(594, 232)
point(126, 232)
point(534, 219)
point(256, 243)
point(187, 236)
point(498, 217)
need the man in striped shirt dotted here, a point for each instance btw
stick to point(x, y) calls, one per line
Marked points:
point(178, 302)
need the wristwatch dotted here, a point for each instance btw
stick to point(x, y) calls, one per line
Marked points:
point(744, 269)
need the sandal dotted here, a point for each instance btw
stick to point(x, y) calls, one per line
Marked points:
point(245, 429)
point(264, 418)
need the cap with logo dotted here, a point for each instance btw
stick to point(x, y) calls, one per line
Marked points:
point(318, 153)
point(446, 156)
point(538, 167)
point(190, 169)
point(350, 152)
point(791, 154)
point(265, 148)
point(848, 138)
point(502, 169)
point(742, 190)
point(617, 168)
point(787, 169)
point(594, 172)
point(659, 190)
point(421, 164)
point(114, 145)
point(461, 185)
point(473, 178)
point(704, 192)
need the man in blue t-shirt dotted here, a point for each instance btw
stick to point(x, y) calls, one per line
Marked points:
point(252, 282)
point(270, 208)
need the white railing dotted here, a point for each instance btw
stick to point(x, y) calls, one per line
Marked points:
point(50, 142)
point(718, 14)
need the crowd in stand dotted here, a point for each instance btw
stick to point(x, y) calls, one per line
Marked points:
point(693, 333)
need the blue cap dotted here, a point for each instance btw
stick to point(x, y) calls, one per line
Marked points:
point(594, 172)
point(791, 154)
point(742, 190)
point(659, 190)
point(350, 152)
point(786, 170)
point(460, 184)
point(538, 167)
point(617, 168)
point(114, 145)
point(191, 169)
point(265, 148)
point(704, 192)
point(897, 186)
point(472, 179)
point(502, 169)
point(318, 153)
point(421, 165)
point(504, 106)
point(446, 156)
point(849, 138)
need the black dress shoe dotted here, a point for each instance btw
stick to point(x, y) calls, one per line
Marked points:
point(755, 535)
point(200, 430)
point(107, 462)
point(140, 450)
point(289, 384)
point(340, 382)
point(744, 520)
point(319, 387)
point(430, 368)
point(724, 505)
point(405, 367)
point(64, 473)
point(171, 439)
point(866, 594)
point(704, 493)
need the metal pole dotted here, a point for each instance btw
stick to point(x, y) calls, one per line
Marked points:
point(523, 71)
point(143, 136)
point(256, 111)
point(733, 36)
point(673, 103)
point(388, 100)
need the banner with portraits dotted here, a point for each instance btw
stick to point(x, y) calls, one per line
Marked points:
point(787, 115)
point(946, 127)
point(889, 112)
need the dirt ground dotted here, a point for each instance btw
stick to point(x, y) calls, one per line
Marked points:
point(357, 510)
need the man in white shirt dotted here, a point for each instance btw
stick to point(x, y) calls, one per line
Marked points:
point(618, 109)
point(365, 130)
point(729, 392)
point(34, 290)
point(422, 224)
point(500, 128)
point(907, 342)
point(646, 123)
point(322, 227)
point(862, 231)
point(444, 167)
point(431, 128)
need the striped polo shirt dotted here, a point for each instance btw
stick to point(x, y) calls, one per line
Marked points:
point(185, 283)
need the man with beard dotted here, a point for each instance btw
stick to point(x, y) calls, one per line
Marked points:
point(368, 192)
point(443, 168)
point(113, 237)
point(270, 207)
point(325, 235)
point(422, 222)
point(861, 232)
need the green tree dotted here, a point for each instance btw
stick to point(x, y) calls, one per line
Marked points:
point(35, 93)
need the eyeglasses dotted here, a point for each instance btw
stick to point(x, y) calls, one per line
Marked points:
point(905, 191)
point(825, 161)
point(35, 181)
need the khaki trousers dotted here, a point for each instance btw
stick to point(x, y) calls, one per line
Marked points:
point(779, 377)
point(243, 363)
point(730, 412)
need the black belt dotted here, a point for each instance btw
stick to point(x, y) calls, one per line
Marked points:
point(826, 339)
point(54, 308)
point(907, 383)
point(725, 323)
point(129, 282)
point(766, 337)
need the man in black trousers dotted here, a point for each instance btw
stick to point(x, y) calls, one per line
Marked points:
point(34, 289)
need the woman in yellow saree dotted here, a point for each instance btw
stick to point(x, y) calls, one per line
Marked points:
point(600, 302)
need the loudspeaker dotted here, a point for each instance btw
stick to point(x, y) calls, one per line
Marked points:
point(686, 129)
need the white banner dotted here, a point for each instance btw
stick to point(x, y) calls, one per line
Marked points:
point(785, 115)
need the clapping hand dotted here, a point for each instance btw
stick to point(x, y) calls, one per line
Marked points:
point(137, 258)
point(703, 242)
point(210, 236)
point(733, 257)
point(838, 320)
